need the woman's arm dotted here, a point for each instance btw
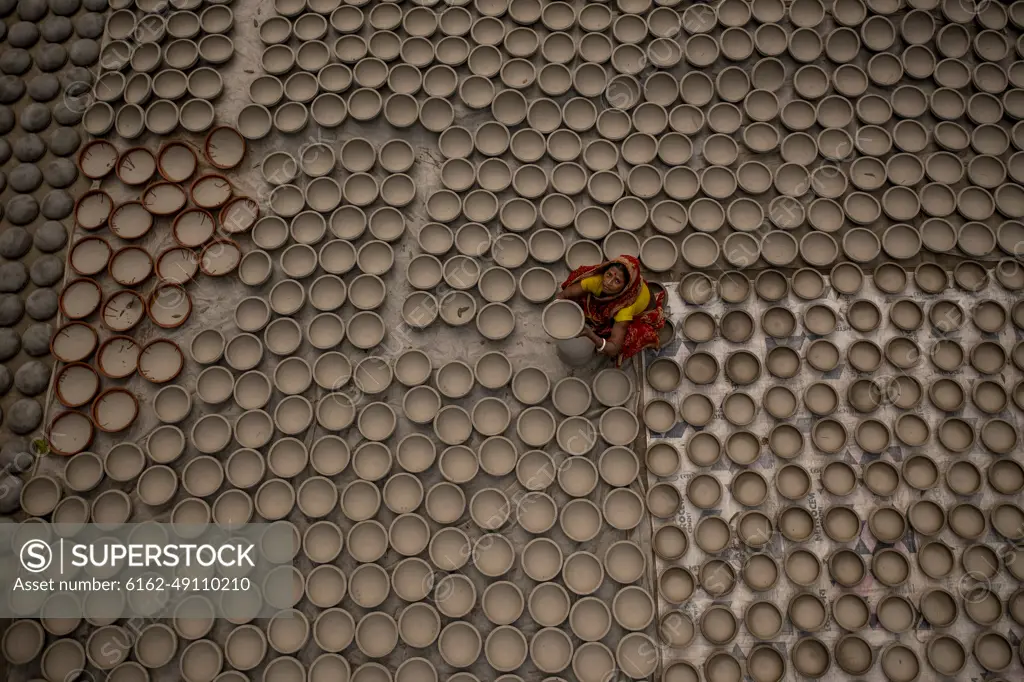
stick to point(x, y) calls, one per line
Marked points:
point(573, 292)
point(613, 344)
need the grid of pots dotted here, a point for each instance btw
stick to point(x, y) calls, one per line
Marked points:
point(675, 150)
point(369, 512)
point(127, 282)
point(319, 233)
point(160, 68)
point(49, 52)
point(935, 375)
point(360, 394)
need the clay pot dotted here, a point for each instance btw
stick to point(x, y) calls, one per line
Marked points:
point(157, 485)
point(23, 641)
point(460, 643)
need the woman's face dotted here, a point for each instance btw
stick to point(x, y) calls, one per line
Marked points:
point(614, 280)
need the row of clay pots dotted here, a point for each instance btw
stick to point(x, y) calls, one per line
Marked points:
point(255, 121)
point(811, 82)
point(720, 626)
point(871, 435)
point(118, 357)
point(741, 251)
point(356, 155)
point(745, 367)
point(698, 288)
point(300, 261)
point(725, 118)
point(900, 241)
point(324, 194)
point(377, 634)
point(293, 376)
point(737, 326)
point(317, 497)
point(246, 645)
point(122, 24)
point(309, 228)
point(161, 117)
point(128, 266)
point(174, 266)
point(181, 53)
point(718, 577)
point(900, 202)
point(987, 314)
point(453, 21)
point(457, 21)
point(731, 14)
point(207, 192)
point(175, 162)
point(896, 613)
point(580, 520)
point(506, 648)
point(171, 84)
point(522, 42)
point(200, 659)
point(873, 141)
point(770, 41)
point(674, 148)
point(851, 653)
point(841, 522)
point(367, 540)
point(700, 50)
point(864, 395)
point(777, 248)
point(793, 482)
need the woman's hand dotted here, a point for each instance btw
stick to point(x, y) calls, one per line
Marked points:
point(602, 346)
point(611, 346)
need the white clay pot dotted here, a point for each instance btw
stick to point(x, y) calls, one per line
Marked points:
point(562, 319)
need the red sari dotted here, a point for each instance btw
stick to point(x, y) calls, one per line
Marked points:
point(642, 331)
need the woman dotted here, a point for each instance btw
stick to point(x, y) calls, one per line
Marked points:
point(617, 304)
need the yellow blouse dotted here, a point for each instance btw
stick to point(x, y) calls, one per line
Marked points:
point(593, 285)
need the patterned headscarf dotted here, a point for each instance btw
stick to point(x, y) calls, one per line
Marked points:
point(600, 310)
